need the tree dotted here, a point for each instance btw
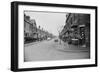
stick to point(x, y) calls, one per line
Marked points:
point(60, 28)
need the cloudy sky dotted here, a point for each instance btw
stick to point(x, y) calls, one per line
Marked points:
point(49, 21)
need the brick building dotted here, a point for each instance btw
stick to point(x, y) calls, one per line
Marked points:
point(32, 32)
point(77, 28)
point(30, 28)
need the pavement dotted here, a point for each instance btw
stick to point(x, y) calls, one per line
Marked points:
point(51, 50)
point(72, 48)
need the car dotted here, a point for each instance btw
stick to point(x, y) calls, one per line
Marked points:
point(48, 39)
point(56, 40)
point(75, 41)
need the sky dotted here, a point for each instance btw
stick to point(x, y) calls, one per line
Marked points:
point(49, 21)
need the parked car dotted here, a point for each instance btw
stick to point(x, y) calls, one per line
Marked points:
point(48, 39)
point(75, 41)
point(56, 40)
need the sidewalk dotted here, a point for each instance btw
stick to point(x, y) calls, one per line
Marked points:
point(72, 48)
point(31, 43)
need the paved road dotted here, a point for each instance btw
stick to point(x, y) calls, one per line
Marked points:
point(50, 50)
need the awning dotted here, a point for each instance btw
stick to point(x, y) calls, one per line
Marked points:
point(82, 25)
point(74, 26)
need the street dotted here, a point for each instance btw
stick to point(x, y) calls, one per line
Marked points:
point(50, 50)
